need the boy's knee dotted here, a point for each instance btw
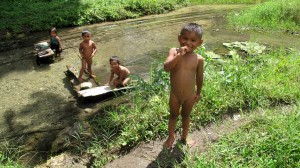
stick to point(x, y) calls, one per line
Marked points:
point(185, 115)
point(174, 115)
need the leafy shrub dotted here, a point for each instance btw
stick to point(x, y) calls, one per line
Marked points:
point(41, 15)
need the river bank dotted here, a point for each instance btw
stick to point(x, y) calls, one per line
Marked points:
point(37, 100)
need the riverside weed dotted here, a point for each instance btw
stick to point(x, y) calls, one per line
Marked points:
point(272, 15)
point(232, 85)
point(9, 154)
point(269, 140)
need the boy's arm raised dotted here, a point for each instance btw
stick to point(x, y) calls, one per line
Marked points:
point(173, 58)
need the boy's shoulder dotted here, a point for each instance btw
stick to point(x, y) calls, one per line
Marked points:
point(123, 67)
point(200, 58)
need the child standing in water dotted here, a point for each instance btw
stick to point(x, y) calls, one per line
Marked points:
point(121, 71)
point(186, 71)
point(55, 44)
point(87, 50)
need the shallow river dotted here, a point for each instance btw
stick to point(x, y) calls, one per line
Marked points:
point(37, 101)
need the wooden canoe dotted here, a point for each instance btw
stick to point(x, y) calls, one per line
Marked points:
point(96, 92)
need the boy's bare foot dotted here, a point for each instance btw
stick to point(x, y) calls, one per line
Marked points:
point(80, 80)
point(190, 143)
point(169, 142)
point(93, 76)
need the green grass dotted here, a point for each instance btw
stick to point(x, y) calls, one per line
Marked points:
point(225, 1)
point(9, 154)
point(281, 15)
point(41, 15)
point(271, 139)
point(232, 84)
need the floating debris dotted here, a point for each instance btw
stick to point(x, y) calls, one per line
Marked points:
point(250, 48)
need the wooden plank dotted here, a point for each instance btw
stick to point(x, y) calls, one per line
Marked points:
point(46, 53)
point(101, 90)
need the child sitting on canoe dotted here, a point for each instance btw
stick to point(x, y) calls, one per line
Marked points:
point(121, 72)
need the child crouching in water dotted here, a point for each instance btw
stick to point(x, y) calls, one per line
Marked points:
point(87, 50)
point(55, 43)
point(121, 71)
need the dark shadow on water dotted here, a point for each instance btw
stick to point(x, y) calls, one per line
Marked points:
point(168, 158)
point(69, 87)
point(36, 126)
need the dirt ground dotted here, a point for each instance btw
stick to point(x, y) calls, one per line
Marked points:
point(152, 154)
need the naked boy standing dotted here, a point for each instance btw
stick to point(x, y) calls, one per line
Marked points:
point(186, 72)
point(87, 50)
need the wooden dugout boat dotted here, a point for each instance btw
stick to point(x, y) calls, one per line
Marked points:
point(43, 51)
point(95, 93)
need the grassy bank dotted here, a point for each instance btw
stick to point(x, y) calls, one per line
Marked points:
point(232, 84)
point(41, 15)
point(33, 15)
point(271, 139)
point(271, 15)
point(199, 2)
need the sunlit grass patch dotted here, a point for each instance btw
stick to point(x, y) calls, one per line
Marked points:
point(234, 84)
point(237, 84)
point(271, 139)
point(271, 15)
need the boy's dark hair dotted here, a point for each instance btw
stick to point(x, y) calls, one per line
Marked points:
point(192, 27)
point(53, 29)
point(85, 32)
point(115, 58)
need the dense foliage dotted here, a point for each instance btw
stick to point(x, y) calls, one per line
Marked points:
point(25, 16)
point(34, 15)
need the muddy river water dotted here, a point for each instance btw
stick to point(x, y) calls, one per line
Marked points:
point(37, 101)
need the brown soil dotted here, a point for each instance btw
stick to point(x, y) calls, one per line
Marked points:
point(152, 154)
